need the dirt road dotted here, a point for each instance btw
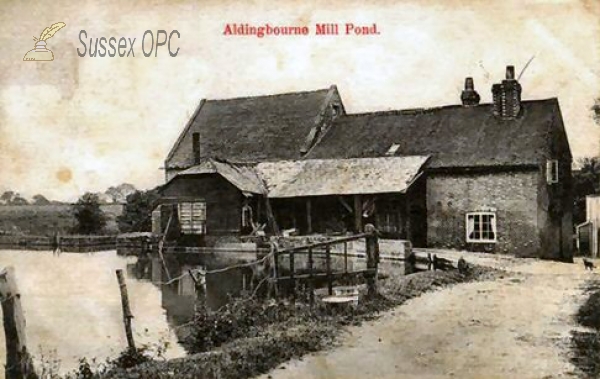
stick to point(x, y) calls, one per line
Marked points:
point(514, 327)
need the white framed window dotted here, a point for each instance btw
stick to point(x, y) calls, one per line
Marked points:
point(552, 171)
point(192, 217)
point(481, 227)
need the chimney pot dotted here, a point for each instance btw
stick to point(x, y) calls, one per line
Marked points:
point(469, 96)
point(469, 84)
point(510, 72)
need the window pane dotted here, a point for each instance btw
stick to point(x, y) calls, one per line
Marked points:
point(481, 227)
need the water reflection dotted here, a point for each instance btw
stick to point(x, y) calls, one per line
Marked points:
point(181, 292)
point(72, 305)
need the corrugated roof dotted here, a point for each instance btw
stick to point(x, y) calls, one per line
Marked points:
point(243, 177)
point(321, 177)
point(250, 129)
point(454, 136)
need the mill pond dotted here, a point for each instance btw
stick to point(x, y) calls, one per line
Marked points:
point(73, 307)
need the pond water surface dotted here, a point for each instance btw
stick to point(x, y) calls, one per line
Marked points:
point(72, 306)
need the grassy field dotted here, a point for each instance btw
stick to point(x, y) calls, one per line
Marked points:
point(45, 219)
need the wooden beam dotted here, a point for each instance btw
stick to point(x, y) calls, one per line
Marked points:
point(358, 213)
point(333, 275)
point(345, 204)
point(270, 216)
point(19, 364)
point(308, 216)
point(407, 222)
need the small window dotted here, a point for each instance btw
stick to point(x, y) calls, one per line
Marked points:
point(335, 110)
point(552, 171)
point(393, 149)
point(481, 227)
point(192, 217)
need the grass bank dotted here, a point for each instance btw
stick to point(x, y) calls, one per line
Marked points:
point(249, 337)
point(586, 345)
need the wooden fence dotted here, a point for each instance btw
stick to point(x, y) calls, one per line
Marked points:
point(73, 243)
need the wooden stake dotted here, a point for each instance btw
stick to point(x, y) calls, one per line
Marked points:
point(19, 364)
point(127, 316)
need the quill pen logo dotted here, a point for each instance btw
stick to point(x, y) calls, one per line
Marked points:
point(40, 52)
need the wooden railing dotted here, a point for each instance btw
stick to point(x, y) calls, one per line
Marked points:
point(320, 249)
point(68, 243)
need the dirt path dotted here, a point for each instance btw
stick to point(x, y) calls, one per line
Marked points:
point(515, 327)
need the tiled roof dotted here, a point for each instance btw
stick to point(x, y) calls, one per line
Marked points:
point(250, 129)
point(454, 136)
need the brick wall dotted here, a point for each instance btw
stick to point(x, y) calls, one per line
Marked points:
point(514, 196)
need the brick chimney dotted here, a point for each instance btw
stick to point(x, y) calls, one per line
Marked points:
point(469, 96)
point(507, 96)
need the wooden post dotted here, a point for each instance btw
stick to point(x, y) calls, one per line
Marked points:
point(346, 258)
point(311, 283)
point(410, 262)
point(270, 215)
point(292, 279)
point(127, 316)
point(358, 213)
point(276, 271)
point(328, 263)
point(19, 364)
point(372, 247)
point(308, 217)
point(161, 244)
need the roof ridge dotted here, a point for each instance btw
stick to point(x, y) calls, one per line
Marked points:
point(271, 95)
point(423, 110)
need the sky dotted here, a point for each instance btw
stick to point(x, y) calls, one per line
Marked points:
point(80, 124)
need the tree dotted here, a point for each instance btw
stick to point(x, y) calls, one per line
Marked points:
point(40, 200)
point(586, 181)
point(90, 218)
point(137, 214)
point(119, 193)
point(596, 110)
point(19, 200)
point(7, 197)
point(12, 198)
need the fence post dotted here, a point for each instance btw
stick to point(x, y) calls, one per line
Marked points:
point(410, 262)
point(372, 247)
point(292, 278)
point(311, 283)
point(127, 316)
point(19, 364)
point(346, 259)
point(328, 263)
